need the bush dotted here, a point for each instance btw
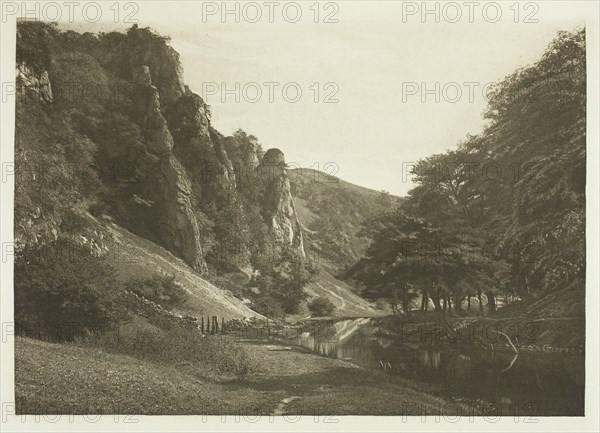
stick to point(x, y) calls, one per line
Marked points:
point(33, 46)
point(62, 291)
point(177, 345)
point(160, 289)
point(267, 306)
point(321, 306)
point(282, 275)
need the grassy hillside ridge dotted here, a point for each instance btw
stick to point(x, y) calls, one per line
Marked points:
point(347, 302)
point(303, 175)
point(332, 212)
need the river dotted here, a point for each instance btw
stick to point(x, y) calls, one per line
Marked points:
point(532, 383)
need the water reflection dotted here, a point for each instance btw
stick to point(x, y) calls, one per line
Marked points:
point(533, 382)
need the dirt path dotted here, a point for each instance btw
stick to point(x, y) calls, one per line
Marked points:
point(279, 410)
point(316, 385)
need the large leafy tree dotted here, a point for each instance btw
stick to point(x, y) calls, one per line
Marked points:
point(504, 210)
point(537, 129)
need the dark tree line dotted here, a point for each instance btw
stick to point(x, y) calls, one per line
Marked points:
point(503, 212)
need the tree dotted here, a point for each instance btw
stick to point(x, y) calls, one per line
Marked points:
point(62, 291)
point(282, 274)
point(537, 120)
point(321, 306)
point(505, 210)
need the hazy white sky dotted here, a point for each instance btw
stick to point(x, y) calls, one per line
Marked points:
point(371, 131)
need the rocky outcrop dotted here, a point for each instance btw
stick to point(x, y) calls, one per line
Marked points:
point(249, 156)
point(35, 229)
point(167, 73)
point(200, 149)
point(147, 48)
point(183, 176)
point(279, 210)
point(177, 226)
point(225, 164)
point(33, 84)
point(148, 115)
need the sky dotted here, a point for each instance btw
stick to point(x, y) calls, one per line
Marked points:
point(374, 66)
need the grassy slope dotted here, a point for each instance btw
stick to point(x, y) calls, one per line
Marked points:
point(322, 198)
point(328, 181)
point(135, 257)
point(57, 378)
point(347, 302)
point(320, 186)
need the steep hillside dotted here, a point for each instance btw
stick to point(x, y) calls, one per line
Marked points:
point(106, 127)
point(108, 131)
point(114, 107)
point(343, 296)
point(136, 257)
point(332, 212)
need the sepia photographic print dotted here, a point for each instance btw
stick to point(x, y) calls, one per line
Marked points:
point(299, 216)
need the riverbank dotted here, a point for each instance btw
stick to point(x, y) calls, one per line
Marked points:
point(66, 378)
point(486, 362)
point(554, 323)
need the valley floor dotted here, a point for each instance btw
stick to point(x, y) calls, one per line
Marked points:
point(65, 378)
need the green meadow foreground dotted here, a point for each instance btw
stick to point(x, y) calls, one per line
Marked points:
point(59, 378)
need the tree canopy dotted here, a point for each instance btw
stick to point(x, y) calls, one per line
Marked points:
point(503, 211)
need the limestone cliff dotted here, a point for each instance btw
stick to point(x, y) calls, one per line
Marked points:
point(34, 226)
point(200, 151)
point(250, 157)
point(122, 53)
point(177, 226)
point(166, 70)
point(200, 194)
point(33, 84)
point(179, 229)
point(148, 115)
point(278, 207)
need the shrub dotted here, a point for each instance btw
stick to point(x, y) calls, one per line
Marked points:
point(62, 291)
point(178, 345)
point(321, 306)
point(33, 47)
point(160, 289)
point(267, 306)
point(283, 274)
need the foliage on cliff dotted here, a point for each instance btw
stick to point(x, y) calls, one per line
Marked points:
point(123, 138)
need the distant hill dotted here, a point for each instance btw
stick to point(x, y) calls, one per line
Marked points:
point(331, 212)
